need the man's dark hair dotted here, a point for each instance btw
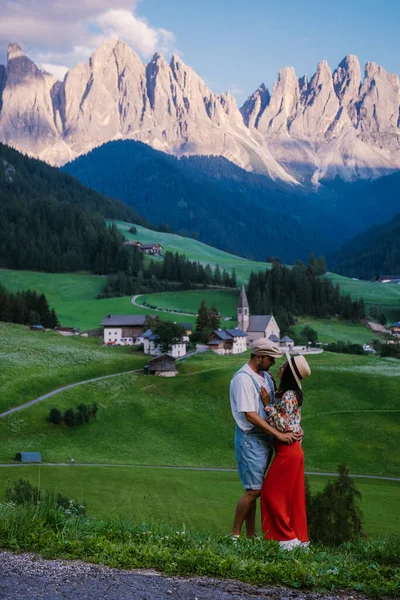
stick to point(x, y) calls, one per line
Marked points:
point(288, 382)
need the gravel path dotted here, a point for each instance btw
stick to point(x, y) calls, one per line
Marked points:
point(26, 577)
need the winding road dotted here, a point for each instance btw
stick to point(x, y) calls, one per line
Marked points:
point(169, 312)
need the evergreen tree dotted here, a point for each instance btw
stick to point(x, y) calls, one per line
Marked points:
point(202, 320)
point(320, 266)
point(214, 318)
point(334, 515)
point(217, 276)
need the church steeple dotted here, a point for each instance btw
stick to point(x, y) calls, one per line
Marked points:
point(243, 310)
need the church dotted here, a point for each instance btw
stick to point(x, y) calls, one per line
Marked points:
point(256, 326)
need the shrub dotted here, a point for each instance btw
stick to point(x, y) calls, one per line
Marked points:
point(334, 515)
point(345, 348)
point(84, 413)
point(23, 492)
point(69, 417)
point(55, 416)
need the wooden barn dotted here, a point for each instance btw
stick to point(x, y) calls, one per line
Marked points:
point(163, 366)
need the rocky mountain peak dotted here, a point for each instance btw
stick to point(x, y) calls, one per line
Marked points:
point(347, 82)
point(287, 77)
point(254, 106)
point(19, 66)
point(14, 51)
point(323, 75)
point(331, 125)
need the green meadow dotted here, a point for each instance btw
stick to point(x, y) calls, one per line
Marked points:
point(73, 296)
point(225, 300)
point(186, 421)
point(373, 292)
point(350, 415)
point(34, 362)
point(195, 250)
point(205, 501)
point(333, 330)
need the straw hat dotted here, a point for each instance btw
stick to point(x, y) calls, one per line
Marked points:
point(264, 347)
point(299, 367)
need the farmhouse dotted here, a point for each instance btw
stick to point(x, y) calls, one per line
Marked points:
point(395, 328)
point(123, 330)
point(154, 249)
point(389, 278)
point(151, 345)
point(188, 329)
point(163, 366)
point(256, 326)
point(227, 341)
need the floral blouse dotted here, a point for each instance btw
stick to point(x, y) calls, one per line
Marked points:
point(285, 413)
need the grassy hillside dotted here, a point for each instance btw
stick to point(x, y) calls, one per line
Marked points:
point(34, 362)
point(73, 296)
point(195, 250)
point(187, 421)
point(205, 502)
point(373, 292)
point(225, 300)
point(333, 330)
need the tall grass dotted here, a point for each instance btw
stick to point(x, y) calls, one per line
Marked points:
point(366, 566)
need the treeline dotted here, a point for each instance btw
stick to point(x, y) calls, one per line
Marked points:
point(26, 307)
point(50, 222)
point(288, 293)
point(174, 272)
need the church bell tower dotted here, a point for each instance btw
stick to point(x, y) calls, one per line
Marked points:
point(243, 311)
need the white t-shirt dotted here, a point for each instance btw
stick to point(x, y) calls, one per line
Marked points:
point(244, 396)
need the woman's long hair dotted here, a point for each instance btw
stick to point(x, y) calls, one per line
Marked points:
point(287, 383)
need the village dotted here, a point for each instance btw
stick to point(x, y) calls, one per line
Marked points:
point(130, 330)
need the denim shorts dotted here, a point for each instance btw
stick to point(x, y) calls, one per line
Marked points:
point(253, 453)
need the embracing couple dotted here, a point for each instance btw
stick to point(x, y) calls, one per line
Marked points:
point(267, 420)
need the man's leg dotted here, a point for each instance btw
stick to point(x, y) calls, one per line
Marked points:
point(246, 511)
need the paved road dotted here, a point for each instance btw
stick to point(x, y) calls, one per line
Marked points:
point(62, 389)
point(72, 385)
point(28, 577)
point(180, 468)
point(167, 312)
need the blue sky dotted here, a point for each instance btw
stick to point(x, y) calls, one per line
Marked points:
point(246, 43)
point(232, 45)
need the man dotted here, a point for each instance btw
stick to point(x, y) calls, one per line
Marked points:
point(253, 441)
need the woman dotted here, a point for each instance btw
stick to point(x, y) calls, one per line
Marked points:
point(283, 503)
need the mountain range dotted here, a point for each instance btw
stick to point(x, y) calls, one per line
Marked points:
point(339, 124)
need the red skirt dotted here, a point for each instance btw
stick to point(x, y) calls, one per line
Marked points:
point(283, 500)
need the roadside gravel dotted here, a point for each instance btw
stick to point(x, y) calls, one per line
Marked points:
point(27, 577)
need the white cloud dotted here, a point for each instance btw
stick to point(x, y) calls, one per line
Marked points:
point(136, 32)
point(58, 71)
point(65, 32)
point(234, 89)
